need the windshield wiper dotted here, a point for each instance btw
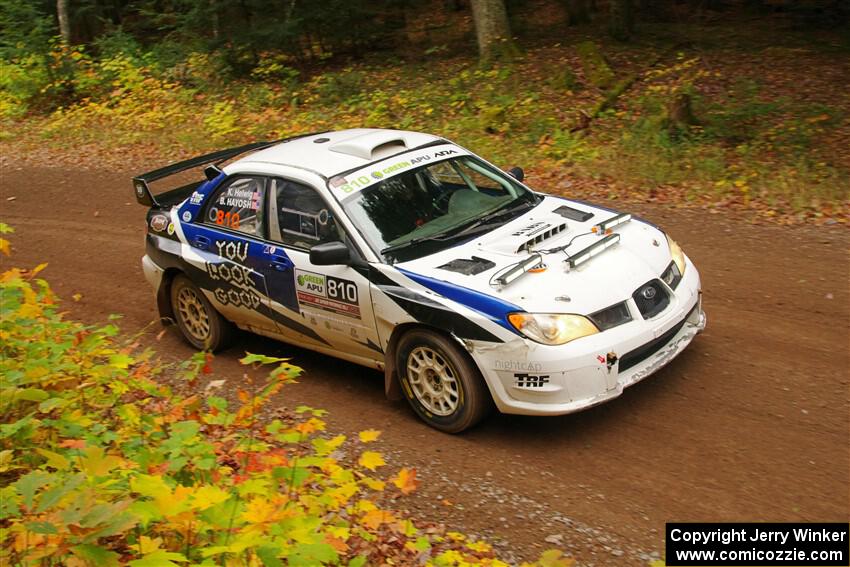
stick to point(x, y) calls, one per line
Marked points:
point(438, 237)
point(433, 237)
point(497, 214)
point(466, 230)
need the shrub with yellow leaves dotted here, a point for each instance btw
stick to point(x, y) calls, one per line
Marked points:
point(103, 464)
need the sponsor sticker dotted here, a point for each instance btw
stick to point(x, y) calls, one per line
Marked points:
point(196, 198)
point(159, 223)
point(327, 293)
point(518, 365)
point(530, 380)
point(187, 216)
point(309, 282)
point(353, 183)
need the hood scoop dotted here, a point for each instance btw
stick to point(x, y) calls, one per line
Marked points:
point(372, 145)
point(537, 235)
point(468, 267)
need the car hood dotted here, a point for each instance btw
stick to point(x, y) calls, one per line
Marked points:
point(609, 277)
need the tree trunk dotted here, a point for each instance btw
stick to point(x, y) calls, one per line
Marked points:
point(621, 22)
point(64, 22)
point(492, 30)
point(577, 12)
point(680, 114)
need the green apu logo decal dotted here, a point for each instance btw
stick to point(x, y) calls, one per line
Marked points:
point(362, 181)
point(365, 177)
point(305, 279)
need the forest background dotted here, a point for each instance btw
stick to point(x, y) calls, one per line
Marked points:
point(713, 103)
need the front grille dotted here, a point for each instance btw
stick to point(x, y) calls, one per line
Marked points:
point(643, 352)
point(611, 317)
point(651, 298)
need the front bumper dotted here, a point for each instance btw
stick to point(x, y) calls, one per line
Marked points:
point(528, 378)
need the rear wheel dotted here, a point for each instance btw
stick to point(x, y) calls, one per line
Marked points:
point(201, 325)
point(440, 382)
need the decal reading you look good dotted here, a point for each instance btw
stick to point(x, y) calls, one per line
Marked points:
point(326, 292)
point(243, 291)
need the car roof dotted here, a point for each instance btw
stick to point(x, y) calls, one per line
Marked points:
point(330, 153)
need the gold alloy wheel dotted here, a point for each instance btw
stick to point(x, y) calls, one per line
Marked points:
point(433, 381)
point(193, 314)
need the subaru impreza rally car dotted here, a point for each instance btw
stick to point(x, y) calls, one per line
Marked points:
point(404, 252)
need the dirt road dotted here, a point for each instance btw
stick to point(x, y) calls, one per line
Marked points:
point(750, 423)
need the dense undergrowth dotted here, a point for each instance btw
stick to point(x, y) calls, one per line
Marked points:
point(102, 463)
point(752, 142)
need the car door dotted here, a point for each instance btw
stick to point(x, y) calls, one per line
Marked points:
point(227, 241)
point(335, 301)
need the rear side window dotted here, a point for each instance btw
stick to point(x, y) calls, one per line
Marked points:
point(239, 205)
point(303, 217)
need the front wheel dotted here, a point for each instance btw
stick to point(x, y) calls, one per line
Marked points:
point(440, 382)
point(201, 325)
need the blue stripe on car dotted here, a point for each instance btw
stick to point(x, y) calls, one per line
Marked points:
point(491, 307)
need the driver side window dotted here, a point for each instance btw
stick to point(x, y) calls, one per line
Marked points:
point(238, 206)
point(302, 218)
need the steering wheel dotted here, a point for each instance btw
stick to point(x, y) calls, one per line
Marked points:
point(441, 202)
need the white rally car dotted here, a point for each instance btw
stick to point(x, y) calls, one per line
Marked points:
point(404, 252)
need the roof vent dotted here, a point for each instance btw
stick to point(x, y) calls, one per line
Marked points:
point(373, 145)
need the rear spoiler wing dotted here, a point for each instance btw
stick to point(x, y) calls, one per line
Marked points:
point(141, 182)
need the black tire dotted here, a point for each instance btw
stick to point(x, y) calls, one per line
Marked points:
point(440, 381)
point(200, 324)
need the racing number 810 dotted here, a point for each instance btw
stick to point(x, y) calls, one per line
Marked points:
point(227, 219)
point(358, 183)
point(342, 290)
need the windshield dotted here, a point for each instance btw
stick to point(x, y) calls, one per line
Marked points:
point(432, 203)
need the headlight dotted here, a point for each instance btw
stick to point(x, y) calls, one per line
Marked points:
point(677, 254)
point(552, 328)
point(672, 276)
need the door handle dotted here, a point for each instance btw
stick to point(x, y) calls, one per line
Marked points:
point(280, 263)
point(201, 242)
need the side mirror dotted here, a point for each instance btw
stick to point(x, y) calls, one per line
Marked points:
point(330, 254)
point(517, 173)
point(211, 172)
